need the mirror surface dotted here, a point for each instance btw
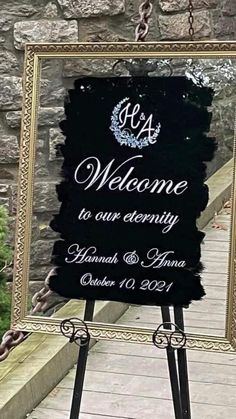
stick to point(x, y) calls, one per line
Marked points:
point(207, 317)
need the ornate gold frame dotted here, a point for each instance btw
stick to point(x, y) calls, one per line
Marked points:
point(33, 56)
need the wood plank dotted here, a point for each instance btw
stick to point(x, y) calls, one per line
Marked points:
point(154, 313)
point(149, 351)
point(203, 306)
point(215, 279)
point(214, 373)
point(213, 255)
point(214, 292)
point(191, 319)
point(118, 383)
point(218, 235)
point(41, 413)
point(137, 407)
point(208, 306)
point(207, 331)
point(217, 266)
point(213, 245)
point(104, 404)
point(194, 324)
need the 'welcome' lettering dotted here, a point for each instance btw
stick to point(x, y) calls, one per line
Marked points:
point(109, 176)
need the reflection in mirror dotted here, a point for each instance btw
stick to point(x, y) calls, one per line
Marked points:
point(206, 317)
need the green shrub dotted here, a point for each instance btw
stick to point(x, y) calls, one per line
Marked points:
point(5, 260)
point(5, 309)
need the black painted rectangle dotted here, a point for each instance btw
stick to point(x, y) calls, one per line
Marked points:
point(132, 189)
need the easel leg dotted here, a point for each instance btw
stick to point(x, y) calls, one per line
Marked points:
point(81, 366)
point(89, 311)
point(173, 370)
point(183, 368)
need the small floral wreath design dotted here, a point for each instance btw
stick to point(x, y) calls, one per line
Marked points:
point(125, 137)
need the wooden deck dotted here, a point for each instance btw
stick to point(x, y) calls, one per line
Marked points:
point(130, 381)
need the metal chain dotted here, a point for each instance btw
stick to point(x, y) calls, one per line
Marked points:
point(191, 20)
point(142, 29)
point(145, 11)
point(40, 298)
point(13, 338)
point(10, 339)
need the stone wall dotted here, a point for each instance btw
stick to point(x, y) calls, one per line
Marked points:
point(81, 20)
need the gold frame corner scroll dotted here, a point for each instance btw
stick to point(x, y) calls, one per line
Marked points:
point(34, 53)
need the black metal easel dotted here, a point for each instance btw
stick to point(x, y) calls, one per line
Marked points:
point(79, 335)
point(174, 342)
point(169, 335)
